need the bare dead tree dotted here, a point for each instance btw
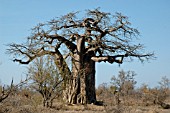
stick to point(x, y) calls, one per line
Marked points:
point(97, 37)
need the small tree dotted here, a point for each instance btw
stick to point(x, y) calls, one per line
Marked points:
point(123, 84)
point(164, 83)
point(164, 87)
point(46, 79)
point(164, 92)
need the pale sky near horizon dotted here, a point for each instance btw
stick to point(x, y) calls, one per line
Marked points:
point(150, 17)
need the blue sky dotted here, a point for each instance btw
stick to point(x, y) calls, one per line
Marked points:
point(150, 17)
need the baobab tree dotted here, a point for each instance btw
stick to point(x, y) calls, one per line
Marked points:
point(96, 37)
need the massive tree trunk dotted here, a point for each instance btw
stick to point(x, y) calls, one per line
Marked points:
point(81, 85)
point(89, 66)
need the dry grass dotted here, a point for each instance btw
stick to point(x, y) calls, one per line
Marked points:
point(22, 104)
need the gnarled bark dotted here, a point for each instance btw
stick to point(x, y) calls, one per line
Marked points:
point(89, 66)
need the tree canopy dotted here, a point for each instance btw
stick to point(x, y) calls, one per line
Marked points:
point(110, 36)
point(96, 37)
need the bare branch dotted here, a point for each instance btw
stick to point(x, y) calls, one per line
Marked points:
point(110, 59)
point(6, 92)
point(71, 46)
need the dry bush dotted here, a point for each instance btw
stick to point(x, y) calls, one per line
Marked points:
point(5, 92)
point(122, 86)
point(14, 103)
point(45, 79)
point(21, 104)
point(105, 95)
point(120, 97)
point(157, 95)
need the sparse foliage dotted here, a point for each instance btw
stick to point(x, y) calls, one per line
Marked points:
point(164, 92)
point(164, 83)
point(124, 83)
point(45, 79)
point(156, 95)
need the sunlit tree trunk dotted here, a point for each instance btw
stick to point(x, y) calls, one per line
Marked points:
point(81, 86)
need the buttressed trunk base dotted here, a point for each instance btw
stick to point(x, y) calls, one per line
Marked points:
point(81, 86)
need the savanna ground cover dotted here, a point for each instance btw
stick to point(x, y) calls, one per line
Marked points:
point(118, 96)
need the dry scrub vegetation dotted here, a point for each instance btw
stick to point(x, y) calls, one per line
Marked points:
point(120, 96)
